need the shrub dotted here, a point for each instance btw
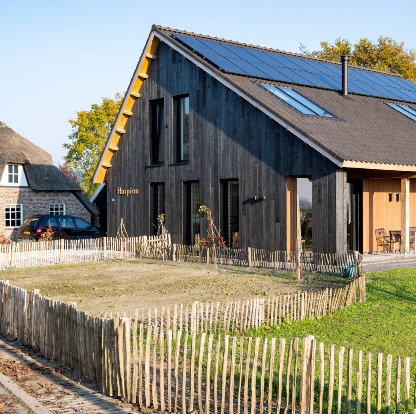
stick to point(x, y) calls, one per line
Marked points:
point(4, 240)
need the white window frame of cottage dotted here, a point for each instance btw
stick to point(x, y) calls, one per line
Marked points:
point(17, 223)
point(9, 172)
point(57, 209)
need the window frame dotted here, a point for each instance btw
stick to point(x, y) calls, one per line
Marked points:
point(297, 101)
point(157, 204)
point(404, 110)
point(191, 219)
point(57, 211)
point(20, 212)
point(156, 131)
point(181, 135)
point(230, 203)
point(14, 175)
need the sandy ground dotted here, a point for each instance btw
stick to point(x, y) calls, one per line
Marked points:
point(117, 286)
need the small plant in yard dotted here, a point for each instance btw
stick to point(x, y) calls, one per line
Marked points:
point(4, 240)
point(161, 228)
point(214, 238)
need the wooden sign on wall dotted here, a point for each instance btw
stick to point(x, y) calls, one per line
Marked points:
point(127, 191)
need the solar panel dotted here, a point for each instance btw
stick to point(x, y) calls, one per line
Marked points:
point(263, 64)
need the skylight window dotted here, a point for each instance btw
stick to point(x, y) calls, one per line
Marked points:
point(297, 101)
point(405, 110)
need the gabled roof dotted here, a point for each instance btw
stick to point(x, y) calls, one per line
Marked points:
point(364, 133)
point(41, 174)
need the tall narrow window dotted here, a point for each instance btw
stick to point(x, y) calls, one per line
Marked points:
point(13, 173)
point(156, 132)
point(157, 205)
point(181, 127)
point(230, 217)
point(192, 216)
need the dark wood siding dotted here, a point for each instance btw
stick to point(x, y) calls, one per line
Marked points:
point(229, 139)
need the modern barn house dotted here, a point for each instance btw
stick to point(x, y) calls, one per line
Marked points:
point(241, 128)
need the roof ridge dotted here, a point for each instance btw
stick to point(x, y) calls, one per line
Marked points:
point(269, 49)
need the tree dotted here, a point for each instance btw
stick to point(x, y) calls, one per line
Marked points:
point(90, 132)
point(386, 55)
point(71, 173)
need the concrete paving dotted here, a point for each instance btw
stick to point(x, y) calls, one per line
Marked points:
point(383, 261)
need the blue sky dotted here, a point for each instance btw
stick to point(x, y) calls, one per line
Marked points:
point(58, 57)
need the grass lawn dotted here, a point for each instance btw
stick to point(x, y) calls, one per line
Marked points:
point(385, 323)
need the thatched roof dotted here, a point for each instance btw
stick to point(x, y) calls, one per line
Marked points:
point(41, 174)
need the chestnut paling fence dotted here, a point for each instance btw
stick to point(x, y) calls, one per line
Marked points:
point(31, 254)
point(189, 366)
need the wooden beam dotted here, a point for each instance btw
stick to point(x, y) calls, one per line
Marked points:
point(127, 113)
point(143, 75)
point(135, 94)
point(120, 130)
point(405, 221)
point(113, 148)
point(106, 165)
point(150, 56)
point(379, 174)
point(378, 166)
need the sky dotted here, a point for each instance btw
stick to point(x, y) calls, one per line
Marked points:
point(58, 57)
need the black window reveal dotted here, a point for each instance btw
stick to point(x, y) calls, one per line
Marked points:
point(157, 205)
point(156, 132)
point(192, 216)
point(230, 217)
point(181, 127)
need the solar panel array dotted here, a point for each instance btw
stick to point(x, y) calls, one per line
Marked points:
point(275, 66)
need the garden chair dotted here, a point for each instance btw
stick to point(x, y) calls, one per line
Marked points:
point(383, 240)
point(412, 231)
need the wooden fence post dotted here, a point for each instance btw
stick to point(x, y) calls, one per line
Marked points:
point(298, 253)
point(174, 252)
point(249, 257)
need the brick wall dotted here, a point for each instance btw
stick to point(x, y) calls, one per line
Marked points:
point(37, 202)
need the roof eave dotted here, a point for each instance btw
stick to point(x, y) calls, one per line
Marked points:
point(378, 166)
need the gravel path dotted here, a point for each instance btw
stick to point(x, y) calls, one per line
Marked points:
point(45, 387)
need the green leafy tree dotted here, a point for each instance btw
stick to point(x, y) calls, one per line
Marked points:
point(385, 55)
point(90, 130)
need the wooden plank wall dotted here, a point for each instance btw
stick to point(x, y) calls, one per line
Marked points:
point(379, 212)
point(230, 139)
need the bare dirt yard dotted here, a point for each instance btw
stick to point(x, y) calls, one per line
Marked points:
point(118, 286)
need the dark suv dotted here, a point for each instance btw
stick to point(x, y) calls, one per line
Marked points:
point(69, 227)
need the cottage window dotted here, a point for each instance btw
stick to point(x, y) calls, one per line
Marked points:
point(13, 215)
point(13, 176)
point(13, 173)
point(191, 212)
point(57, 209)
point(156, 132)
point(297, 101)
point(181, 127)
point(157, 205)
point(405, 110)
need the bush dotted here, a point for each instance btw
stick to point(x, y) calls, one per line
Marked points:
point(4, 240)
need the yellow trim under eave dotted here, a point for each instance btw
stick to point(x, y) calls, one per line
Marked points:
point(377, 166)
point(126, 110)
